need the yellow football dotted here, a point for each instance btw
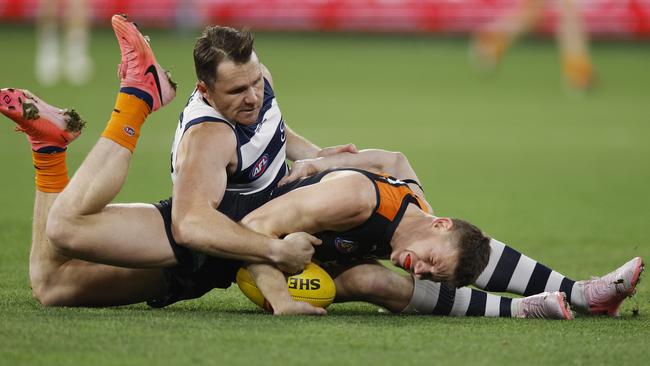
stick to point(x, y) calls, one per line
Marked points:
point(312, 285)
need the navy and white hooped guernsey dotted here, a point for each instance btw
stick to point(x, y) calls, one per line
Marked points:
point(261, 147)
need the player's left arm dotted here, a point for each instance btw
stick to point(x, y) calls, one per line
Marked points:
point(339, 203)
point(273, 286)
point(298, 147)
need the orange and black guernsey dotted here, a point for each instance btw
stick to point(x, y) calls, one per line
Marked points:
point(370, 240)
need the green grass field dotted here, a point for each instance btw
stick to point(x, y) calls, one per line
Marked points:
point(563, 178)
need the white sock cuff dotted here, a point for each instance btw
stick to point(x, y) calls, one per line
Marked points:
point(424, 298)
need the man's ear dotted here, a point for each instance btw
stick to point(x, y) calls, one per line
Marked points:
point(444, 223)
point(202, 88)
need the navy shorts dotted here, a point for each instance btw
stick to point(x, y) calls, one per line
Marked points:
point(197, 273)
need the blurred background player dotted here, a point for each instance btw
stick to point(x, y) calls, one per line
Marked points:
point(72, 59)
point(492, 41)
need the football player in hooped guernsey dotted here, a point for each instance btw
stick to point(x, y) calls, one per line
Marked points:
point(259, 162)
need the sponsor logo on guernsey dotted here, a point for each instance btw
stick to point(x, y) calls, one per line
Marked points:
point(259, 167)
point(129, 130)
point(345, 246)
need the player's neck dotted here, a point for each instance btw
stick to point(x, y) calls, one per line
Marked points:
point(415, 225)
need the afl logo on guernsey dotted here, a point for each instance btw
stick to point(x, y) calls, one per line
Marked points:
point(345, 246)
point(259, 167)
point(129, 131)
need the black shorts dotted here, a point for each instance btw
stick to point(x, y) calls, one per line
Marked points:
point(197, 273)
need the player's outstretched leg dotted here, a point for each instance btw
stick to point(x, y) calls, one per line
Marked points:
point(573, 43)
point(511, 271)
point(441, 299)
point(82, 224)
point(54, 278)
point(492, 41)
point(378, 285)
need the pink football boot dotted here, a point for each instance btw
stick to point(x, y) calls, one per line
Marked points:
point(605, 294)
point(46, 126)
point(139, 72)
point(547, 305)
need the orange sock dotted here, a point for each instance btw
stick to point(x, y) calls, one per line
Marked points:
point(126, 120)
point(578, 71)
point(51, 171)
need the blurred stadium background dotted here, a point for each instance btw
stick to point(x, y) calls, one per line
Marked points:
point(562, 176)
point(608, 18)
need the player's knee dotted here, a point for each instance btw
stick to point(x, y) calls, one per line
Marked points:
point(45, 292)
point(363, 285)
point(51, 290)
point(376, 285)
point(53, 297)
point(60, 232)
point(44, 296)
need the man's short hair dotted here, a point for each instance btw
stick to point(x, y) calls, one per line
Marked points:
point(473, 252)
point(217, 44)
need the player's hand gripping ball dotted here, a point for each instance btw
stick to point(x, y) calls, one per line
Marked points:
point(312, 285)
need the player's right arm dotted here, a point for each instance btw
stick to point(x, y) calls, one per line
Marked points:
point(204, 156)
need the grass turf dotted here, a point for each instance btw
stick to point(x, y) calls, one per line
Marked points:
point(564, 178)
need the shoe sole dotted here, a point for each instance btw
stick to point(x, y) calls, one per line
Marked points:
point(637, 275)
point(31, 112)
point(564, 305)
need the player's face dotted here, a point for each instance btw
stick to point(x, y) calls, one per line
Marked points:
point(238, 92)
point(432, 257)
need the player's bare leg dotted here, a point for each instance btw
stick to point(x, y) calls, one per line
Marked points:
point(573, 43)
point(78, 65)
point(48, 60)
point(57, 279)
point(82, 224)
point(372, 282)
point(492, 41)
